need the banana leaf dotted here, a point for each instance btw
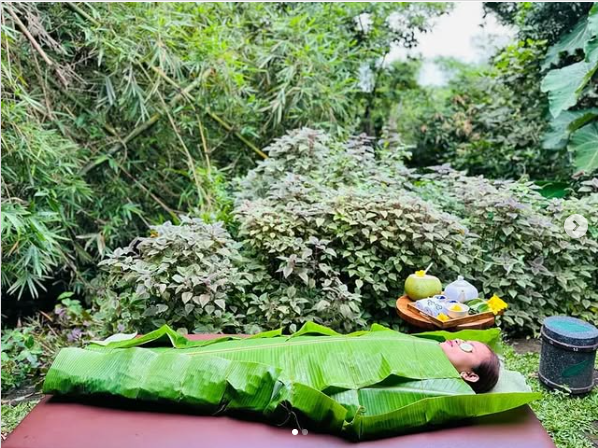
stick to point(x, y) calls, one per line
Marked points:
point(361, 385)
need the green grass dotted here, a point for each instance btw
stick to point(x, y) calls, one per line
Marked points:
point(13, 414)
point(572, 422)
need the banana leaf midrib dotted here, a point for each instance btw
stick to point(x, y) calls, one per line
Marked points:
point(208, 350)
point(411, 389)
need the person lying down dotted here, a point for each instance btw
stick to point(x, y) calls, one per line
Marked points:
point(363, 385)
point(477, 364)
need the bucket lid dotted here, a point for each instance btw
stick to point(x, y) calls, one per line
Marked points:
point(571, 331)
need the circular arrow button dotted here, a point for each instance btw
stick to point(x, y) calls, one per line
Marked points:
point(576, 226)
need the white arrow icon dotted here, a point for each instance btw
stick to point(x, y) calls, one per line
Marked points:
point(576, 226)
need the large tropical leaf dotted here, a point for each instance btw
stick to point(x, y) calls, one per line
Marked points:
point(361, 385)
point(575, 40)
point(565, 85)
point(584, 145)
point(591, 47)
point(566, 123)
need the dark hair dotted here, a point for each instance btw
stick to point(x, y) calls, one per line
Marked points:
point(487, 372)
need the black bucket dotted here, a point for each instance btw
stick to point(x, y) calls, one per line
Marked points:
point(568, 354)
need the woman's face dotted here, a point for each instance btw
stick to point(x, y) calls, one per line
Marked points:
point(465, 356)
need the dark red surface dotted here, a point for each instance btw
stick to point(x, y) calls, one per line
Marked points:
point(106, 423)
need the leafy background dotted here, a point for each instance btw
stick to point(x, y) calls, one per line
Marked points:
point(224, 167)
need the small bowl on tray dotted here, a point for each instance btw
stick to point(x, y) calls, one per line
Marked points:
point(456, 310)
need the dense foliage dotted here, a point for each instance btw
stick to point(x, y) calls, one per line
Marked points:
point(574, 88)
point(120, 116)
point(329, 230)
point(487, 121)
point(163, 129)
point(516, 117)
point(189, 276)
point(28, 351)
point(520, 249)
point(540, 20)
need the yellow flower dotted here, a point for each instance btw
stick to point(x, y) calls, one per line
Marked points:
point(420, 273)
point(442, 317)
point(496, 304)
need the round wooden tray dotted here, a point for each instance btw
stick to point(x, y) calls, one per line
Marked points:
point(419, 321)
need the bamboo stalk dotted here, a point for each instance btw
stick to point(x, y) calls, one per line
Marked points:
point(36, 45)
point(167, 78)
point(229, 128)
point(82, 13)
point(142, 127)
point(161, 73)
point(31, 39)
point(170, 211)
point(212, 115)
point(204, 143)
point(190, 161)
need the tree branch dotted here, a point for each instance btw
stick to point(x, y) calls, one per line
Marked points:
point(36, 45)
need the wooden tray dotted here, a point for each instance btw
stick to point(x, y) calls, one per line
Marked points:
point(453, 322)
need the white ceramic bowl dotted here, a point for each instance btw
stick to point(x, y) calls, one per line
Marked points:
point(463, 310)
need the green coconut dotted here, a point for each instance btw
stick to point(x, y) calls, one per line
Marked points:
point(421, 285)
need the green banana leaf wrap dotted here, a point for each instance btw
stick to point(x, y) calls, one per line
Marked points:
point(362, 385)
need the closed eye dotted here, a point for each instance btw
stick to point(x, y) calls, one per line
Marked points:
point(466, 347)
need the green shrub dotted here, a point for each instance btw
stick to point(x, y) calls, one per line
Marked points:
point(328, 231)
point(327, 213)
point(20, 356)
point(28, 351)
point(367, 241)
point(195, 277)
point(186, 275)
point(327, 162)
point(521, 251)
